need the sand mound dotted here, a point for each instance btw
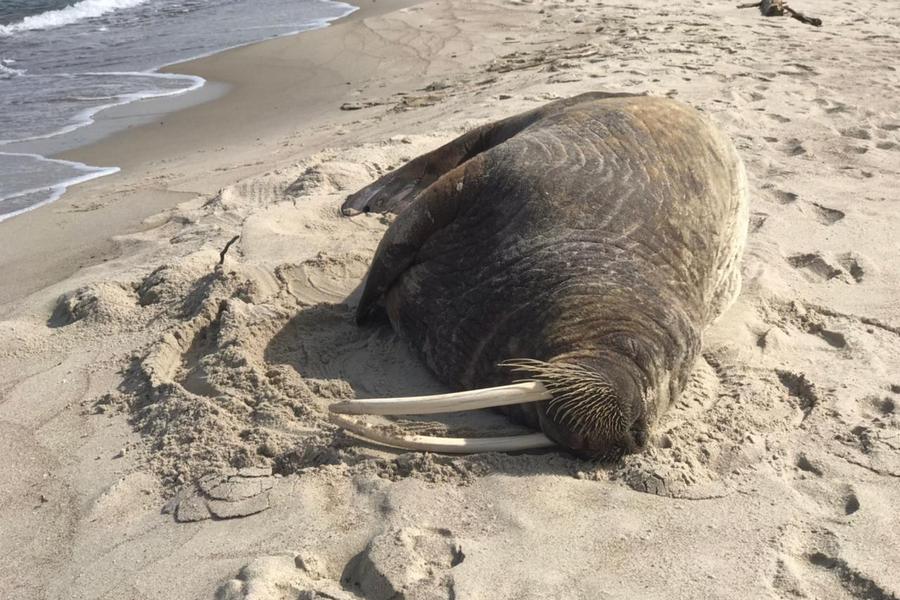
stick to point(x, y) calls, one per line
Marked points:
point(96, 304)
point(261, 338)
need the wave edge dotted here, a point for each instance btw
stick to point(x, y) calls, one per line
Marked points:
point(80, 11)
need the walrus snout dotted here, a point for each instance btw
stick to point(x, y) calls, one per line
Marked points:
point(606, 446)
point(603, 447)
point(596, 411)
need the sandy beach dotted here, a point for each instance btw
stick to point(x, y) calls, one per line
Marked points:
point(163, 401)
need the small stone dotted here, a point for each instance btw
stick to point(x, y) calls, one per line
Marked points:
point(120, 453)
point(191, 509)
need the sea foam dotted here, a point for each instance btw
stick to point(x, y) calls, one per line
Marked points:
point(86, 9)
point(50, 192)
point(7, 72)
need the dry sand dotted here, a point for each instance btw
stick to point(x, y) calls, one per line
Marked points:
point(162, 416)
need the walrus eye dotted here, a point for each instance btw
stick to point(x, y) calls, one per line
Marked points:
point(517, 393)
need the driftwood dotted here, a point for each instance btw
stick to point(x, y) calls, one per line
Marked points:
point(225, 249)
point(779, 8)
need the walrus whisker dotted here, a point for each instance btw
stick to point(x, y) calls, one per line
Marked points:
point(516, 393)
point(444, 445)
point(581, 399)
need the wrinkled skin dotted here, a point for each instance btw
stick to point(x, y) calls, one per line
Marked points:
point(602, 231)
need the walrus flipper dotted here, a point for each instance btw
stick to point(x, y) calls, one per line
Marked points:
point(435, 208)
point(395, 191)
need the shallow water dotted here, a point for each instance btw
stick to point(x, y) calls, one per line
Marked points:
point(62, 61)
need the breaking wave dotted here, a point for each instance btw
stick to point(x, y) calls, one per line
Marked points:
point(86, 9)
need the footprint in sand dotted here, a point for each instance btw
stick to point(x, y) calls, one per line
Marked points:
point(757, 220)
point(283, 577)
point(793, 147)
point(401, 562)
point(814, 265)
point(852, 264)
point(405, 562)
point(858, 133)
point(836, 499)
point(826, 215)
point(785, 197)
point(813, 562)
point(818, 269)
point(800, 391)
point(780, 196)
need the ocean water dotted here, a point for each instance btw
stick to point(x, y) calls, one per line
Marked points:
point(63, 61)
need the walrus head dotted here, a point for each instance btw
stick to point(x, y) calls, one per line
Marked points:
point(592, 411)
point(595, 411)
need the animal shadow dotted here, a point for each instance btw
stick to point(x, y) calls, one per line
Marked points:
point(336, 360)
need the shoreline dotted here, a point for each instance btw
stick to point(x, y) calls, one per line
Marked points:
point(78, 229)
point(94, 124)
point(137, 109)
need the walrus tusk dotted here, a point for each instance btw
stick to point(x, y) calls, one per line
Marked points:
point(516, 393)
point(445, 445)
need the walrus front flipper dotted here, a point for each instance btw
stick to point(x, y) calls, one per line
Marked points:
point(395, 191)
point(434, 209)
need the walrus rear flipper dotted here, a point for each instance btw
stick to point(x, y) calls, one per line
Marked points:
point(435, 208)
point(398, 189)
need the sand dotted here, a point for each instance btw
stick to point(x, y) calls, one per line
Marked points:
point(163, 405)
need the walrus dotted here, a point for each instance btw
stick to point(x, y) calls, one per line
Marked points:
point(568, 259)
